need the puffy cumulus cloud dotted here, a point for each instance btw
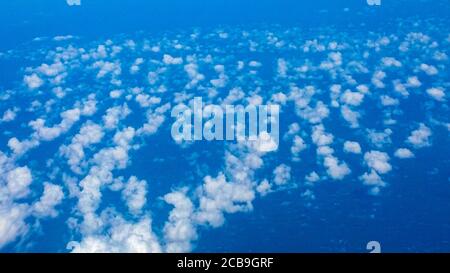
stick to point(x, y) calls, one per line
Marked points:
point(264, 187)
point(135, 67)
point(73, 2)
point(379, 139)
point(45, 133)
point(51, 70)
point(9, 115)
point(388, 101)
point(390, 62)
point(169, 60)
point(219, 196)
point(155, 119)
point(33, 81)
point(121, 237)
point(12, 223)
point(312, 177)
point(134, 194)
point(352, 147)
point(351, 116)
point(114, 115)
point(379, 161)
point(420, 137)
point(89, 134)
point(403, 153)
point(180, 229)
point(430, 70)
point(436, 93)
point(52, 196)
point(298, 145)
point(282, 174)
point(314, 115)
point(352, 98)
point(18, 181)
point(107, 68)
point(373, 180)
point(335, 169)
point(20, 147)
point(320, 137)
point(145, 100)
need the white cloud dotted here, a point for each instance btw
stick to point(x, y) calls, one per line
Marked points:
point(122, 237)
point(264, 187)
point(169, 60)
point(352, 147)
point(73, 2)
point(89, 134)
point(379, 139)
point(430, 70)
point(335, 169)
point(352, 98)
point(282, 174)
point(312, 177)
point(421, 137)
point(379, 161)
point(51, 197)
point(179, 230)
point(9, 115)
point(320, 137)
point(373, 180)
point(298, 145)
point(388, 101)
point(219, 196)
point(134, 194)
point(436, 93)
point(403, 153)
point(352, 117)
point(114, 115)
point(12, 223)
point(18, 182)
point(33, 81)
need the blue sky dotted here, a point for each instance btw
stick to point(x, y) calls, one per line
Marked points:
point(88, 162)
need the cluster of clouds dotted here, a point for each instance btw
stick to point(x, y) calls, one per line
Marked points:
point(99, 129)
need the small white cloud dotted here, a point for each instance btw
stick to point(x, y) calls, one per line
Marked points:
point(179, 230)
point(312, 177)
point(169, 60)
point(352, 147)
point(403, 153)
point(379, 161)
point(374, 181)
point(73, 2)
point(18, 182)
point(264, 187)
point(282, 174)
point(33, 81)
point(134, 194)
point(12, 223)
point(421, 137)
point(436, 93)
point(335, 169)
point(51, 197)
point(352, 98)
